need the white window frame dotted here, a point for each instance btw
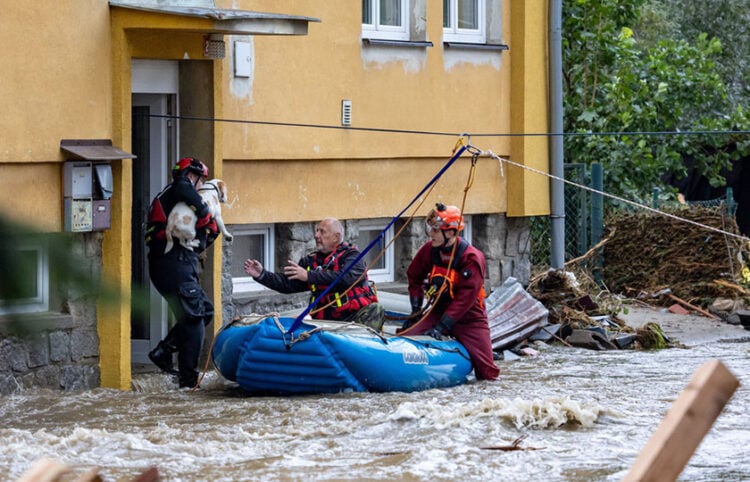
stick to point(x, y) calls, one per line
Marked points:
point(40, 302)
point(246, 284)
point(453, 33)
point(466, 232)
point(386, 274)
point(385, 32)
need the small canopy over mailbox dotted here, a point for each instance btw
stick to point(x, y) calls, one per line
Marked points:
point(93, 150)
point(228, 21)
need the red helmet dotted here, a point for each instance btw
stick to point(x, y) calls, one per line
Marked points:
point(446, 217)
point(189, 164)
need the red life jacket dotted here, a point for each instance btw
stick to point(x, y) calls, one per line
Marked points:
point(341, 305)
point(156, 222)
point(442, 274)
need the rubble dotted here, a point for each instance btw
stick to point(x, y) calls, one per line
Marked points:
point(654, 260)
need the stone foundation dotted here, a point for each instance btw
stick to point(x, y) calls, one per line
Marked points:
point(55, 350)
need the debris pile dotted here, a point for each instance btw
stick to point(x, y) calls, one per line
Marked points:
point(657, 257)
point(587, 317)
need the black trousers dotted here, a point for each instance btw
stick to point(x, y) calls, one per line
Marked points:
point(175, 276)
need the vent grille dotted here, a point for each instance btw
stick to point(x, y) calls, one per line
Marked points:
point(346, 112)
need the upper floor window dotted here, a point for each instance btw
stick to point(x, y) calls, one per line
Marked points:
point(385, 19)
point(29, 291)
point(379, 270)
point(464, 21)
point(250, 242)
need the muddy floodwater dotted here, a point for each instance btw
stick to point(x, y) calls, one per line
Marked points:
point(582, 416)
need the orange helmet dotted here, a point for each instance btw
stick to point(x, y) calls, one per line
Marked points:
point(446, 217)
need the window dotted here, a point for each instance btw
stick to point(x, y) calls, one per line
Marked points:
point(380, 271)
point(466, 232)
point(385, 19)
point(254, 242)
point(464, 21)
point(29, 292)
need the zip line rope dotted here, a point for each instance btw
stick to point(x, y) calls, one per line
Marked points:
point(451, 134)
point(502, 160)
point(362, 254)
point(382, 250)
point(476, 152)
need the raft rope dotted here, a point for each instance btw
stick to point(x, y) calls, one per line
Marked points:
point(475, 154)
point(425, 311)
point(502, 161)
point(361, 255)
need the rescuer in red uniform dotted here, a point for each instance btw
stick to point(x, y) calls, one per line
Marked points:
point(455, 293)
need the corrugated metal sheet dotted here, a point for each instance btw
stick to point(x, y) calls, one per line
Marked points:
point(513, 314)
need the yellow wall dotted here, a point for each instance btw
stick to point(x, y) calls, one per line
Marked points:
point(529, 108)
point(56, 84)
point(67, 81)
point(284, 173)
point(413, 89)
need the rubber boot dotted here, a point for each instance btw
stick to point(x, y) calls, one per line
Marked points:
point(188, 379)
point(161, 356)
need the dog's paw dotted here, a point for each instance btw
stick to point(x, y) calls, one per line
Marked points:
point(228, 237)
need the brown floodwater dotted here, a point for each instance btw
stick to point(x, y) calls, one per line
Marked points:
point(580, 416)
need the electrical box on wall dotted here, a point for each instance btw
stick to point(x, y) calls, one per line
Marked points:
point(87, 189)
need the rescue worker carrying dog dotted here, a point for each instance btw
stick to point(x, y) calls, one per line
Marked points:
point(455, 292)
point(316, 271)
point(175, 274)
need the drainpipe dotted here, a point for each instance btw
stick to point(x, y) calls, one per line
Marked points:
point(557, 195)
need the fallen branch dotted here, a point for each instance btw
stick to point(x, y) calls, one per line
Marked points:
point(693, 307)
point(513, 446)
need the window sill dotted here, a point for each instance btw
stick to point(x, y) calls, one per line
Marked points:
point(472, 46)
point(24, 323)
point(396, 43)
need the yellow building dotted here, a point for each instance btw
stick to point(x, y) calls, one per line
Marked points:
point(333, 108)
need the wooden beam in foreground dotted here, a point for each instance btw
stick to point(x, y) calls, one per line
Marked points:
point(669, 449)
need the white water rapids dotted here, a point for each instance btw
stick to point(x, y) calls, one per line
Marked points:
point(576, 415)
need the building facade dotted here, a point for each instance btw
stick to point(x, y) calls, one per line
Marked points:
point(333, 108)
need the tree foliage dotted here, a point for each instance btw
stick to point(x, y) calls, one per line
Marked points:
point(624, 91)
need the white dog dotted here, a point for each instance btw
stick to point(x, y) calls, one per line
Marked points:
point(181, 220)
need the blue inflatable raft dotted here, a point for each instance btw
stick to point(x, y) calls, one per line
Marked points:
point(330, 357)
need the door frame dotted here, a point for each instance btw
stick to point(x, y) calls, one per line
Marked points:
point(155, 85)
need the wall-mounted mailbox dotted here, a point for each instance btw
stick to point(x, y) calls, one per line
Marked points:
point(100, 216)
point(88, 184)
point(78, 183)
point(87, 189)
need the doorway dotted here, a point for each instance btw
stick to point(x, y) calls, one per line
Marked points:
point(154, 136)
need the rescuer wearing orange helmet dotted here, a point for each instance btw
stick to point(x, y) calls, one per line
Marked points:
point(455, 293)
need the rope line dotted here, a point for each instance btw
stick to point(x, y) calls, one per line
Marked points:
point(451, 134)
point(457, 153)
point(618, 198)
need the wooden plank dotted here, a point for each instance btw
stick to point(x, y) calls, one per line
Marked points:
point(91, 475)
point(686, 423)
point(44, 470)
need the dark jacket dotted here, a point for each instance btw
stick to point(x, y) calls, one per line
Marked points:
point(180, 190)
point(322, 270)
